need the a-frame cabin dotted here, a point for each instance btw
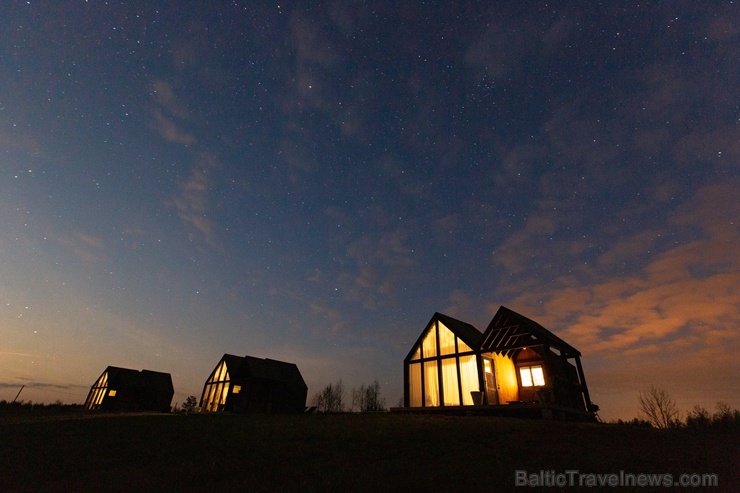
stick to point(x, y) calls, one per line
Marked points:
point(122, 389)
point(516, 364)
point(253, 385)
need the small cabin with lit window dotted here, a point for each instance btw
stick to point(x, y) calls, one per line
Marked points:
point(516, 364)
point(245, 384)
point(122, 389)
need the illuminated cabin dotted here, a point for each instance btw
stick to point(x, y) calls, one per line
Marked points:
point(515, 361)
point(443, 367)
point(253, 385)
point(122, 389)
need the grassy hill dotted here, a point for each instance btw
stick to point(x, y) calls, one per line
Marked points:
point(345, 452)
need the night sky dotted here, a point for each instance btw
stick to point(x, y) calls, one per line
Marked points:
point(311, 181)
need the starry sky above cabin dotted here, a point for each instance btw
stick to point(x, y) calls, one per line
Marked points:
point(311, 181)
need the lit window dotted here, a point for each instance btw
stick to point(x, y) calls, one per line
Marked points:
point(429, 343)
point(111, 393)
point(446, 340)
point(538, 376)
point(237, 389)
point(417, 354)
point(532, 376)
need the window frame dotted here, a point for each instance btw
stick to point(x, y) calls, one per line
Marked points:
point(528, 368)
point(420, 357)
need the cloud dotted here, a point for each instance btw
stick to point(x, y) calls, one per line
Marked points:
point(168, 129)
point(166, 99)
point(523, 249)
point(314, 55)
point(501, 49)
point(695, 283)
point(315, 89)
point(26, 355)
point(23, 142)
point(381, 263)
point(625, 250)
point(334, 320)
point(462, 305)
point(41, 385)
point(557, 33)
point(447, 229)
point(677, 311)
point(169, 113)
point(192, 201)
point(722, 29)
point(89, 248)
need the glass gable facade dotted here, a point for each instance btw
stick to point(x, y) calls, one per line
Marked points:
point(216, 389)
point(443, 370)
point(98, 391)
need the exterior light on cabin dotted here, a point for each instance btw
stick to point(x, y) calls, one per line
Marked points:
point(111, 393)
point(236, 389)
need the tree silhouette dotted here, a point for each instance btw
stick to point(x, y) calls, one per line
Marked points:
point(368, 399)
point(698, 417)
point(659, 407)
point(190, 404)
point(331, 398)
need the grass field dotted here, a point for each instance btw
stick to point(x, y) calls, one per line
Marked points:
point(346, 452)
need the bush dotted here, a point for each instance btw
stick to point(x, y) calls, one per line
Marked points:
point(635, 422)
point(698, 417)
point(725, 416)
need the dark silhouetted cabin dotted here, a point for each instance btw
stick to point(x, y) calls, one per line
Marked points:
point(516, 363)
point(253, 385)
point(122, 389)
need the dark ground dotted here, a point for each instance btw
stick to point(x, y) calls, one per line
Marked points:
point(347, 452)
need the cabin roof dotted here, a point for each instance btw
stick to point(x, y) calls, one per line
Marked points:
point(246, 367)
point(139, 378)
point(233, 363)
point(509, 333)
point(466, 332)
point(469, 334)
point(270, 369)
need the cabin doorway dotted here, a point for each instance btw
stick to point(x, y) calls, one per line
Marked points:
point(489, 377)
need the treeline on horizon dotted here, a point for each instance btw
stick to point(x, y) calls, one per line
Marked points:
point(30, 406)
point(699, 417)
point(722, 418)
point(657, 407)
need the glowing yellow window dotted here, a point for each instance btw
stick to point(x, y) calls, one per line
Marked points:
point(111, 393)
point(532, 376)
point(236, 389)
point(417, 353)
